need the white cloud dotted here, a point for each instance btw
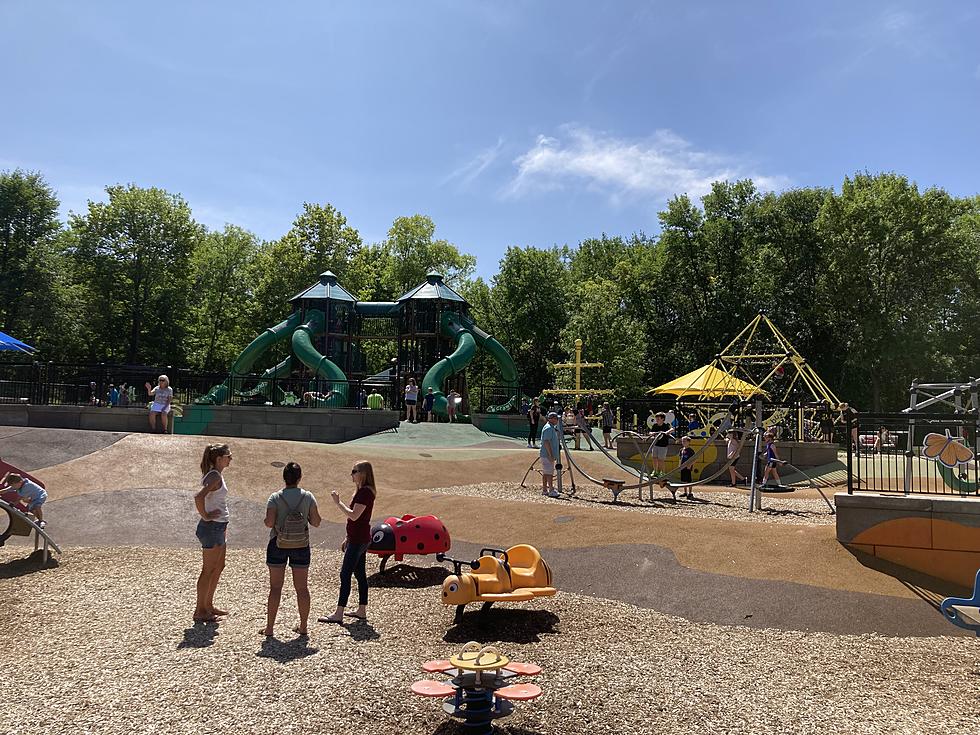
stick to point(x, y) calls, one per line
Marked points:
point(653, 168)
point(466, 173)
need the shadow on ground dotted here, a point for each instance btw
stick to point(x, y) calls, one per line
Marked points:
point(457, 728)
point(409, 577)
point(497, 624)
point(199, 635)
point(27, 565)
point(930, 589)
point(286, 651)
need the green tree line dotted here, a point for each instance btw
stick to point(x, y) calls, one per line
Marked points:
point(875, 283)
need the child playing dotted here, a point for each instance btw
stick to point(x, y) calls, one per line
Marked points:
point(772, 459)
point(30, 493)
point(733, 452)
point(687, 454)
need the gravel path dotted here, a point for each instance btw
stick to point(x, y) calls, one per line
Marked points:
point(105, 645)
point(718, 505)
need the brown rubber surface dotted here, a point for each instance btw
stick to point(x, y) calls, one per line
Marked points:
point(138, 491)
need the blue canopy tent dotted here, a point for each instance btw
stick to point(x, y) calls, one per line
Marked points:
point(9, 343)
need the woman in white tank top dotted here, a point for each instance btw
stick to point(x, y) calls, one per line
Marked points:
point(211, 502)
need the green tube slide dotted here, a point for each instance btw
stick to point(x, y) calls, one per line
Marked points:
point(440, 372)
point(951, 477)
point(243, 365)
point(506, 364)
point(322, 367)
point(264, 387)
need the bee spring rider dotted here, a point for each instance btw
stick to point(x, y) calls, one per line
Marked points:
point(518, 574)
point(478, 691)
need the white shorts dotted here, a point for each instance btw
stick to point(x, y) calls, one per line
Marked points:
point(659, 452)
point(547, 466)
point(159, 408)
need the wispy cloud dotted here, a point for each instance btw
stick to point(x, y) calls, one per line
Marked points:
point(654, 168)
point(465, 174)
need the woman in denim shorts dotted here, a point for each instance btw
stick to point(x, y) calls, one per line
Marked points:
point(211, 502)
point(291, 498)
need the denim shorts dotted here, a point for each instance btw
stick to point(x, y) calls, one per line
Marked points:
point(211, 533)
point(36, 503)
point(276, 557)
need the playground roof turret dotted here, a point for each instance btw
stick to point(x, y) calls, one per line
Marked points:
point(326, 288)
point(433, 288)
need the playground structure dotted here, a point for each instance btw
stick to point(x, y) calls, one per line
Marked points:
point(478, 691)
point(399, 537)
point(19, 521)
point(577, 366)
point(327, 332)
point(518, 574)
point(748, 423)
point(759, 362)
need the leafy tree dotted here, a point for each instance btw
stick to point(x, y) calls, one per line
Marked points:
point(132, 254)
point(319, 240)
point(890, 248)
point(219, 322)
point(28, 264)
point(411, 251)
point(529, 310)
point(610, 336)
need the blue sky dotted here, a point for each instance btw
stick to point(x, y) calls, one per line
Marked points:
point(509, 123)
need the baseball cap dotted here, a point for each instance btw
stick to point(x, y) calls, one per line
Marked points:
point(552, 413)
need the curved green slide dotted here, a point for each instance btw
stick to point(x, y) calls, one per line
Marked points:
point(467, 335)
point(219, 394)
point(955, 482)
point(440, 372)
point(321, 366)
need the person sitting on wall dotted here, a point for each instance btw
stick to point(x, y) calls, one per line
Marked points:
point(375, 400)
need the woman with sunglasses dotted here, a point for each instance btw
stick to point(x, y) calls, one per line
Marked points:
point(211, 502)
point(358, 537)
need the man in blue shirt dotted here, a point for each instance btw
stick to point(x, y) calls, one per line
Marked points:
point(550, 455)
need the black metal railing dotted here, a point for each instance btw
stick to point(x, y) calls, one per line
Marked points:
point(904, 453)
point(125, 386)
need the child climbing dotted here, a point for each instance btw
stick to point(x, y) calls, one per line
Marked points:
point(734, 447)
point(30, 493)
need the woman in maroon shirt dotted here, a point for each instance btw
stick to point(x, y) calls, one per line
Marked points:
point(358, 538)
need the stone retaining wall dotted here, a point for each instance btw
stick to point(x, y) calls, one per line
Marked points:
point(327, 425)
point(935, 535)
point(93, 418)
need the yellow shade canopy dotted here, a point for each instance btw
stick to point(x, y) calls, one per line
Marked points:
point(708, 382)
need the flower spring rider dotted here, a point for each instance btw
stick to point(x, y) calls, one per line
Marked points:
point(478, 691)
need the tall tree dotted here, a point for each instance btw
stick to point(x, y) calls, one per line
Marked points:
point(219, 320)
point(529, 310)
point(319, 240)
point(412, 251)
point(133, 254)
point(890, 250)
point(28, 229)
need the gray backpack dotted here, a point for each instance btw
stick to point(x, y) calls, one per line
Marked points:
point(294, 532)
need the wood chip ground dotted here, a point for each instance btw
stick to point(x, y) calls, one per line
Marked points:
point(104, 643)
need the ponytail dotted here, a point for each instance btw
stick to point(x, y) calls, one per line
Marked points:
point(211, 454)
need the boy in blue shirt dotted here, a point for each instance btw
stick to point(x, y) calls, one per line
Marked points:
point(31, 494)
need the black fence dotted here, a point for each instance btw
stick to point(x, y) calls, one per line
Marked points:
point(125, 385)
point(913, 453)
